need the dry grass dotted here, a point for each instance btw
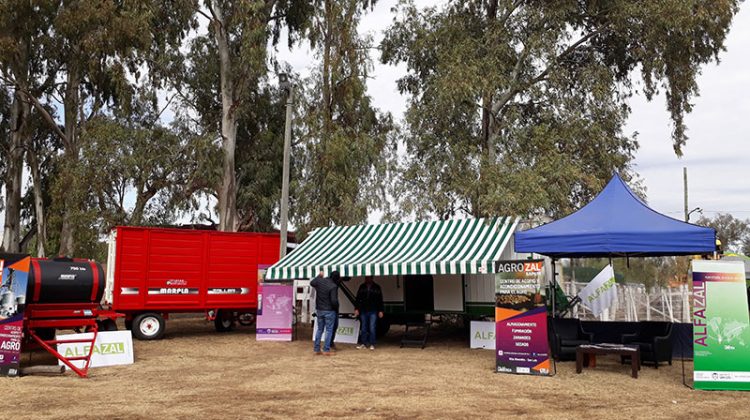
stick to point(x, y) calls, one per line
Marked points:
point(197, 373)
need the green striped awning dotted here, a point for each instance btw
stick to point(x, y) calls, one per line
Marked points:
point(459, 246)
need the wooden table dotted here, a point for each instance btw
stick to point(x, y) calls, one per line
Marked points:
point(586, 353)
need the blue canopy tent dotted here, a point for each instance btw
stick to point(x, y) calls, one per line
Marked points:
point(616, 224)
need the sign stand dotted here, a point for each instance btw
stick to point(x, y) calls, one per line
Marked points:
point(521, 339)
point(721, 326)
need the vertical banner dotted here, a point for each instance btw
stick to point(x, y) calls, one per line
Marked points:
point(275, 313)
point(13, 281)
point(521, 344)
point(601, 292)
point(721, 337)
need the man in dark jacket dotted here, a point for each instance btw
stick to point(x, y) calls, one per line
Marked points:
point(369, 307)
point(326, 307)
point(338, 281)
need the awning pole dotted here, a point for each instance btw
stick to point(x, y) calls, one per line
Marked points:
point(554, 288)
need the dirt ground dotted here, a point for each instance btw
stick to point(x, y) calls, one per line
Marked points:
point(195, 372)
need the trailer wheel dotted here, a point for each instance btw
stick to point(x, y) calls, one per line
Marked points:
point(148, 326)
point(107, 324)
point(246, 319)
point(45, 334)
point(224, 321)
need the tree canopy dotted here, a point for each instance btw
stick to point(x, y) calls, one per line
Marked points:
point(518, 106)
point(162, 113)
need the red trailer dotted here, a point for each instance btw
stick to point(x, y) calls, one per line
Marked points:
point(152, 272)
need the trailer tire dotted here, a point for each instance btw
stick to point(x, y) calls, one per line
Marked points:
point(246, 319)
point(46, 333)
point(224, 321)
point(107, 324)
point(148, 326)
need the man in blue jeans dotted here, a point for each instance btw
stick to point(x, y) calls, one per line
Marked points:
point(326, 307)
point(369, 307)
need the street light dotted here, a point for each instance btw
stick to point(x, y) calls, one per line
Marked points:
point(286, 85)
point(698, 209)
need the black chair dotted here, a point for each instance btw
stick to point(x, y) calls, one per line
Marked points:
point(654, 340)
point(566, 335)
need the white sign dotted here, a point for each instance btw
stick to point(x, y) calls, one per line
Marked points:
point(601, 292)
point(482, 335)
point(111, 348)
point(348, 331)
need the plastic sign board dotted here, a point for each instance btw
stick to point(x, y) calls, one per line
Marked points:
point(110, 348)
point(482, 335)
point(521, 344)
point(14, 274)
point(347, 332)
point(721, 326)
point(275, 312)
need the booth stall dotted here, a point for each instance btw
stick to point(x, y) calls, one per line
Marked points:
point(433, 267)
point(617, 223)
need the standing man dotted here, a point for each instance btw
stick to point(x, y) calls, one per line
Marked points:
point(336, 279)
point(326, 307)
point(369, 307)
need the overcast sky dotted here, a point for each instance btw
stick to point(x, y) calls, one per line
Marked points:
point(717, 155)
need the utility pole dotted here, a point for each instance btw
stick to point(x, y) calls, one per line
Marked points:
point(284, 211)
point(684, 180)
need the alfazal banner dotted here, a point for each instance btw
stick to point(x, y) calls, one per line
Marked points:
point(521, 344)
point(721, 333)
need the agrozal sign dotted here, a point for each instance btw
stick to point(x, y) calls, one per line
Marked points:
point(721, 326)
point(14, 273)
point(520, 318)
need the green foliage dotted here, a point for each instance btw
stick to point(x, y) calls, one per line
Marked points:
point(518, 106)
point(733, 233)
point(344, 142)
point(260, 124)
point(651, 272)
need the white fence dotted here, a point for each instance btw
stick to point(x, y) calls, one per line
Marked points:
point(636, 303)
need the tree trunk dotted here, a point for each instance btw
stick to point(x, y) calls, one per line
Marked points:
point(70, 102)
point(41, 221)
point(228, 188)
point(14, 177)
point(326, 93)
point(144, 195)
point(488, 122)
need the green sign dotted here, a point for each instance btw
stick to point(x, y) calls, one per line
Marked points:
point(721, 326)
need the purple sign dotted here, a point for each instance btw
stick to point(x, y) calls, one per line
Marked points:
point(521, 344)
point(13, 280)
point(275, 312)
point(520, 318)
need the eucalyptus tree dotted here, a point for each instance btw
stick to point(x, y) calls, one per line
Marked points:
point(84, 58)
point(734, 233)
point(518, 106)
point(239, 33)
point(344, 142)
